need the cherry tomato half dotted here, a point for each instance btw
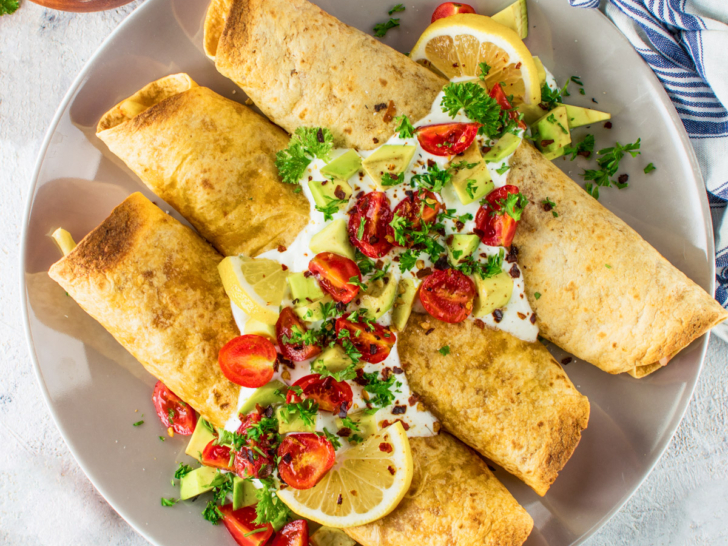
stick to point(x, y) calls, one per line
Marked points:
point(172, 411)
point(240, 522)
point(445, 139)
point(304, 459)
point(375, 238)
point(333, 273)
point(499, 95)
point(293, 350)
point(373, 342)
point(294, 533)
point(450, 8)
point(328, 393)
point(448, 295)
point(248, 360)
point(419, 206)
point(496, 229)
point(255, 458)
point(216, 456)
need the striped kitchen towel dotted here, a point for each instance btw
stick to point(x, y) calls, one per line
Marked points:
point(686, 44)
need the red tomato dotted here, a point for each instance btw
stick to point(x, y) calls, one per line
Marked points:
point(216, 456)
point(376, 235)
point(417, 207)
point(333, 273)
point(285, 329)
point(255, 458)
point(248, 360)
point(448, 295)
point(450, 8)
point(374, 343)
point(447, 139)
point(294, 533)
point(172, 411)
point(328, 393)
point(496, 229)
point(304, 459)
point(500, 97)
point(240, 522)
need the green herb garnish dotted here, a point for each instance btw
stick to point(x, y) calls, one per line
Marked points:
point(405, 128)
point(169, 502)
point(444, 351)
point(306, 144)
point(475, 102)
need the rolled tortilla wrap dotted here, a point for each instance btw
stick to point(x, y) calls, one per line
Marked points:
point(212, 159)
point(606, 295)
point(301, 66)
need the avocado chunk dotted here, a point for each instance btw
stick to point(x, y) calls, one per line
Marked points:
point(379, 296)
point(505, 146)
point(514, 17)
point(196, 482)
point(243, 493)
point(265, 396)
point(553, 132)
point(462, 246)
point(471, 183)
point(328, 191)
point(334, 359)
point(578, 117)
point(311, 312)
point(304, 289)
point(343, 167)
point(333, 238)
point(366, 423)
point(390, 159)
point(290, 421)
point(406, 293)
point(329, 536)
point(493, 293)
point(199, 440)
point(257, 328)
point(541, 71)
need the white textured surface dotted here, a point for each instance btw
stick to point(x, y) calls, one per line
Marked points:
point(45, 499)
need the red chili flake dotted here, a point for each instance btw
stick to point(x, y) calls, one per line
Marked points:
point(608, 125)
point(521, 316)
point(485, 149)
point(479, 324)
point(281, 248)
point(545, 143)
point(399, 410)
point(284, 267)
point(379, 107)
point(514, 271)
point(547, 207)
point(392, 470)
point(430, 163)
point(533, 318)
point(339, 193)
point(385, 447)
point(389, 114)
point(413, 399)
point(320, 136)
point(566, 361)
point(512, 256)
point(429, 331)
point(497, 315)
point(324, 182)
point(340, 499)
point(459, 225)
point(623, 178)
point(287, 458)
point(386, 372)
point(307, 274)
point(397, 370)
point(375, 140)
point(310, 178)
point(584, 153)
point(426, 272)
point(386, 423)
point(344, 432)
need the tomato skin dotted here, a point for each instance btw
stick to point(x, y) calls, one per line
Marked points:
point(374, 344)
point(446, 139)
point(448, 295)
point(240, 522)
point(216, 456)
point(184, 417)
point(294, 533)
point(499, 95)
point(496, 229)
point(328, 393)
point(249, 463)
point(284, 328)
point(248, 360)
point(419, 206)
point(378, 235)
point(333, 273)
point(304, 459)
point(450, 8)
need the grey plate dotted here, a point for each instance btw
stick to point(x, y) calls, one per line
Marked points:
point(77, 182)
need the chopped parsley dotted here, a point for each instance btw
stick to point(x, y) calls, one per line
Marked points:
point(256, 531)
point(381, 29)
point(392, 180)
point(550, 206)
point(475, 102)
point(348, 422)
point(354, 281)
point(333, 438)
point(483, 69)
point(550, 98)
point(206, 424)
point(331, 208)
point(395, 9)
point(553, 121)
point(537, 295)
point(161, 439)
point(423, 239)
point(306, 144)
point(492, 267)
point(584, 148)
point(405, 128)
point(170, 416)
point(212, 513)
point(650, 168)
point(435, 178)
point(305, 410)
point(444, 351)
point(270, 509)
point(8, 6)
point(608, 166)
point(470, 187)
point(503, 168)
point(182, 470)
point(169, 502)
point(138, 423)
point(513, 205)
point(360, 230)
point(381, 389)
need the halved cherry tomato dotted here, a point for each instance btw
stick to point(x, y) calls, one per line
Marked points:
point(328, 393)
point(499, 95)
point(240, 522)
point(448, 295)
point(216, 456)
point(248, 360)
point(373, 342)
point(450, 8)
point(255, 458)
point(496, 229)
point(375, 238)
point(419, 206)
point(296, 351)
point(447, 139)
point(294, 533)
point(333, 273)
point(172, 411)
point(304, 459)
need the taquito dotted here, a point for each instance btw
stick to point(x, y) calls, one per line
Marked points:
point(210, 158)
point(153, 284)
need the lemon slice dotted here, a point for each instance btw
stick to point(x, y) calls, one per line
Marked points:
point(454, 46)
point(366, 483)
point(257, 286)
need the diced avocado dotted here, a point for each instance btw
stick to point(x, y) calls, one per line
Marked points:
point(333, 238)
point(333, 359)
point(531, 112)
point(329, 190)
point(505, 146)
point(379, 297)
point(541, 71)
point(514, 17)
point(265, 396)
point(367, 423)
point(311, 312)
point(472, 183)
point(329, 536)
point(343, 167)
point(406, 293)
point(196, 482)
point(553, 132)
point(255, 327)
point(304, 289)
point(462, 246)
point(578, 117)
point(243, 493)
point(493, 293)
point(391, 159)
point(199, 440)
point(289, 421)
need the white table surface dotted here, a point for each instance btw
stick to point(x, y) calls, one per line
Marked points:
point(45, 499)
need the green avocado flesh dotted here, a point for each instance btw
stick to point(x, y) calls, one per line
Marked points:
point(333, 238)
point(324, 193)
point(470, 184)
point(343, 167)
point(265, 396)
point(367, 423)
point(196, 482)
point(379, 297)
point(493, 293)
point(391, 159)
point(578, 117)
point(505, 146)
point(553, 126)
point(334, 359)
point(289, 421)
point(328, 536)
point(406, 293)
point(462, 246)
point(514, 17)
point(304, 289)
point(311, 312)
point(199, 439)
point(243, 493)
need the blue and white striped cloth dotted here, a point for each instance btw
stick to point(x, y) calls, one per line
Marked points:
point(686, 44)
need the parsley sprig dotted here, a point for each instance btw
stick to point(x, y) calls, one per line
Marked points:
point(475, 102)
point(8, 6)
point(584, 148)
point(608, 165)
point(405, 129)
point(270, 508)
point(383, 390)
point(490, 268)
point(306, 144)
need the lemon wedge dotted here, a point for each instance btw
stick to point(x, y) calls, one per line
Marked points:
point(366, 483)
point(64, 240)
point(455, 46)
point(257, 286)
